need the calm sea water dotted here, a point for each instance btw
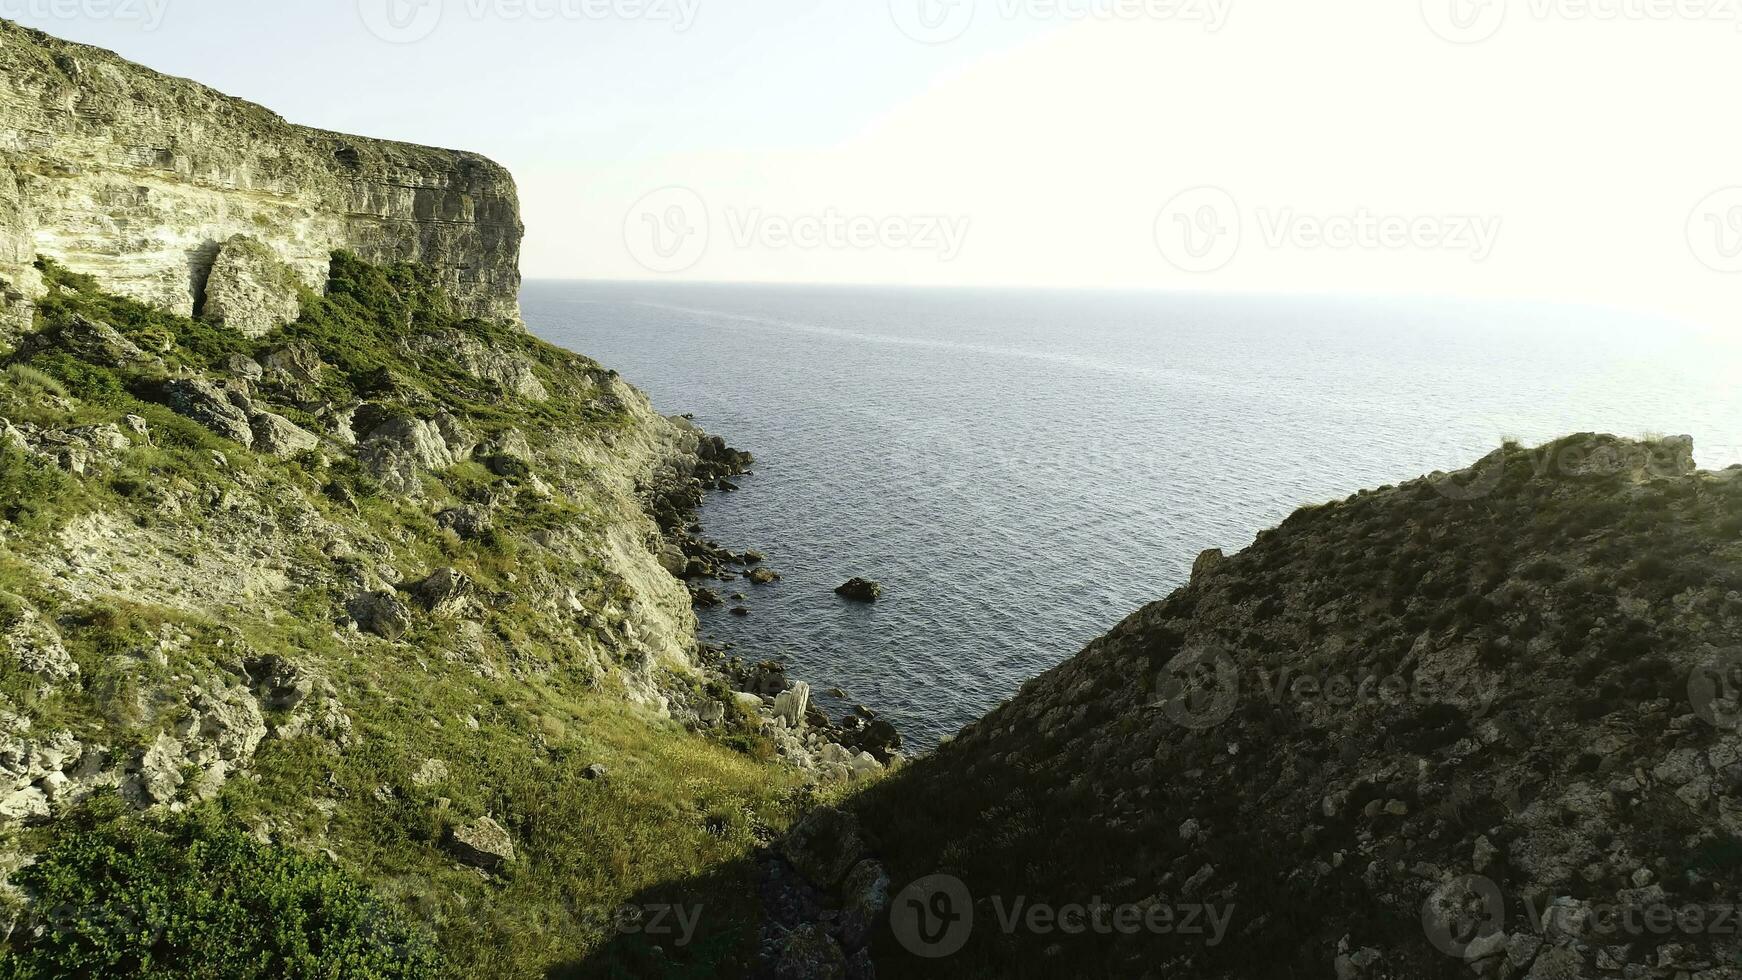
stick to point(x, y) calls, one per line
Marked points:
point(1021, 470)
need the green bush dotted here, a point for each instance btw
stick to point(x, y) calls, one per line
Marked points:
point(190, 896)
point(29, 488)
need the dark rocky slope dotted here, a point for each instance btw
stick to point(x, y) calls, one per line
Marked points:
point(1476, 725)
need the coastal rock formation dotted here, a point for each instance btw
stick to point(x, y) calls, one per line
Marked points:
point(1480, 724)
point(147, 181)
point(860, 590)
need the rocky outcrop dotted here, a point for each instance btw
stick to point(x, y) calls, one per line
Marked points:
point(249, 290)
point(1480, 724)
point(860, 590)
point(146, 181)
point(483, 844)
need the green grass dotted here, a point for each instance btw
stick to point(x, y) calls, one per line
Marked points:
point(677, 808)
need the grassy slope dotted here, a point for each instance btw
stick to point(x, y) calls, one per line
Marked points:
point(676, 804)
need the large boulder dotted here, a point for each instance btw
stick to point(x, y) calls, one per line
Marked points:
point(398, 446)
point(296, 362)
point(250, 291)
point(510, 372)
point(280, 684)
point(37, 648)
point(864, 897)
point(99, 343)
point(824, 846)
point(210, 406)
point(791, 705)
point(446, 592)
point(860, 590)
point(380, 613)
point(276, 435)
point(807, 953)
point(483, 843)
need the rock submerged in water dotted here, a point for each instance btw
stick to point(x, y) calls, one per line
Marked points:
point(763, 576)
point(861, 590)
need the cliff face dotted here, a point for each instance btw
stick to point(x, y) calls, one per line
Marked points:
point(138, 178)
point(1479, 725)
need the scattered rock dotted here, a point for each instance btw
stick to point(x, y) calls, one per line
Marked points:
point(595, 772)
point(432, 772)
point(380, 613)
point(37, 648)
point(763, 576)
point(860, 590)
point(210, 406)
point(790, 706)
point(446, 593)
point(483, 843)
point(278, 683)
point(99, 343)
point(807, 953)
point(276, 435)
point(824, 846)
point(469, 521)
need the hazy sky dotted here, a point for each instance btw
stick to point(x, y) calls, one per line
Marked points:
point(1573, 150)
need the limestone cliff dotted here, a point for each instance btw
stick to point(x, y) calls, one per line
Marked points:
point(138, 179)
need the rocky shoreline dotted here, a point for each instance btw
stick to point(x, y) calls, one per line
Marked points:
point(821, 893)
point(851, 748)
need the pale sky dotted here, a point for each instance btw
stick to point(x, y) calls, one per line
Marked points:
point(1580, 151)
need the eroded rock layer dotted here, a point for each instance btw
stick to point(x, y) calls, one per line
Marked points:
point(139, 179)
